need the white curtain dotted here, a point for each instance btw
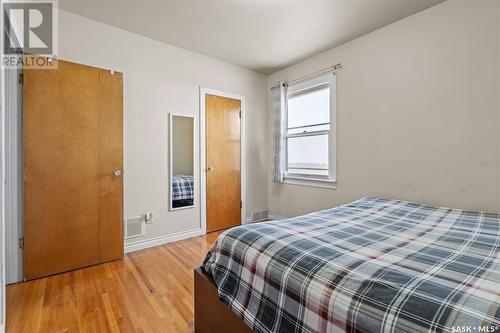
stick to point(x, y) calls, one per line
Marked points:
point(279, 132)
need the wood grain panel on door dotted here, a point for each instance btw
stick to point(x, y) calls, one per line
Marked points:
point(73, 143)
point(223, 145)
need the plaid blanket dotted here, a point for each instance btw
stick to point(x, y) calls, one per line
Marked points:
point(182, 187)
point(373, 265)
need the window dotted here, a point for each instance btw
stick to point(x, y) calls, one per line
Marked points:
point(310, 135)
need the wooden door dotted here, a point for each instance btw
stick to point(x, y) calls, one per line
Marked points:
point(73, 200)
point(223, 153)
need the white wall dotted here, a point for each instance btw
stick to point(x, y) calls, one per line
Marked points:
point(2, 186)
point(159, 79)
point(418, 112)
point(2, 195)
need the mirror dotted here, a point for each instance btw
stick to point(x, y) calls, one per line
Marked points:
point(181, 162)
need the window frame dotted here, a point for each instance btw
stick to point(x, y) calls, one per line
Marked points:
point(303, 87)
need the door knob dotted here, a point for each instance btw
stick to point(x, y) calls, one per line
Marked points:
point(211, 168)
point(117, 173)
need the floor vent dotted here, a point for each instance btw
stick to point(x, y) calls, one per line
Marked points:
point(135, 227)
point(259, 215)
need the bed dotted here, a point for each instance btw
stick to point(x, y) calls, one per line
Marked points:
point(373, 265)
point(182, 191)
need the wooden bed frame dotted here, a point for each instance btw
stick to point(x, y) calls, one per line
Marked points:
point(210, 314)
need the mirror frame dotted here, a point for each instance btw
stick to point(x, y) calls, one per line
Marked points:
point(170, 162)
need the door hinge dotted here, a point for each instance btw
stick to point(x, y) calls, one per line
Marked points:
point(21, 243)
point(240, 114)
point(21, 79)
point(241, 204)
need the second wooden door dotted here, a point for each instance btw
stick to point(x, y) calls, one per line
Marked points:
point(223, 160)
point(73, 184)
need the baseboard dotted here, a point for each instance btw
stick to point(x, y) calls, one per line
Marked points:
point(274, 217)
point(270, 217)
point(147, 243)
point(249, 220)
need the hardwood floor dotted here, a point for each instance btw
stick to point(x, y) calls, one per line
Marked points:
point(148, 291)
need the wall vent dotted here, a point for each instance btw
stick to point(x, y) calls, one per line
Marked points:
point(134, 227)
point(259, 215)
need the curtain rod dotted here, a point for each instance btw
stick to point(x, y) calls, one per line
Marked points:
point(331, 68)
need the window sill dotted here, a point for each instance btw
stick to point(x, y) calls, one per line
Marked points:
point(302, 181)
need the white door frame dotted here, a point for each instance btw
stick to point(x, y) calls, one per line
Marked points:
point(13, 176)
point(203, 167)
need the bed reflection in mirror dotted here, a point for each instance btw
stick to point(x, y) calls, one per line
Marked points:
point(181, 162)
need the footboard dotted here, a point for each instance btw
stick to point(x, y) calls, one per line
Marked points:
point(210, 314)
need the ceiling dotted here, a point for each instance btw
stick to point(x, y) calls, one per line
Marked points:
point(264, 36)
